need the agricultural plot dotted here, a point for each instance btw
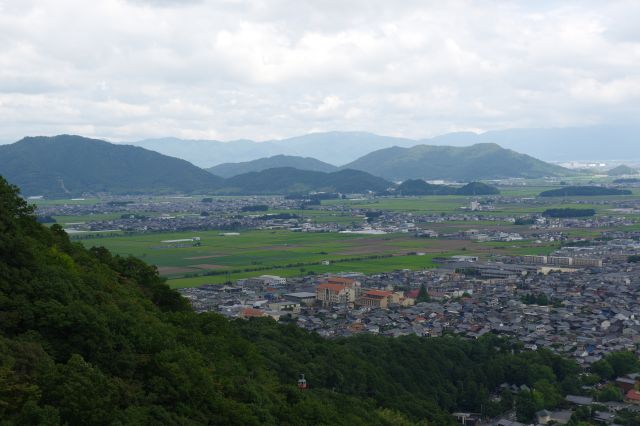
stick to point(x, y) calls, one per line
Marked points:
point(220, 258)
point(452, 203)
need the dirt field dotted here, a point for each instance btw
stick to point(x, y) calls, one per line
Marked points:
point(172, 270)
point(207, 266)
point(210, 256)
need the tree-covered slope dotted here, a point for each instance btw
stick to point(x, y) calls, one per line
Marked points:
point(91, 338)
point(302, 163)
point(420, 187)
point(72, 165)
point(480, 161)
point(284, 180)
point(584, 191)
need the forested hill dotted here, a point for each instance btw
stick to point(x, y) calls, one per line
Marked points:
point(302, 163)
point(284, 180)
point(91, 338)
point(66, 165)
point(476, 162)
point(420, 187)
point(584, 191)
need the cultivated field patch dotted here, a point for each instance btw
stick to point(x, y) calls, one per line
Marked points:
point(208, 266)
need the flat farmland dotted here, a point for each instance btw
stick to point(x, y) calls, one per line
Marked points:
point(448, 204)
point(229, 257)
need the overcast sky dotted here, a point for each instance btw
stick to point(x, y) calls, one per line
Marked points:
point(126, 70)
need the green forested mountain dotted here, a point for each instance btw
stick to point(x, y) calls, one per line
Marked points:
point(481, 161)
point(65, 165)
point(91, 338)
point(302, 163)
point(420, 187)
point(283, 180)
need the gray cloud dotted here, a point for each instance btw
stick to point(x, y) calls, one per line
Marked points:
point(253, 69)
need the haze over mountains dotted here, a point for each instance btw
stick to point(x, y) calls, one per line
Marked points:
point(336, 148)
point(593, 143)
point(339, 148)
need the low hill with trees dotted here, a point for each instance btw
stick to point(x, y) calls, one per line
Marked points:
point(476, 162)
point(288, 180)
point(420, 187)
point(584, 191)
point(568, 212)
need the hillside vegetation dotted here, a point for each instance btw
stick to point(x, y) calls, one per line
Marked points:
point(481, 161)
point(91, 338)
point(584, 191)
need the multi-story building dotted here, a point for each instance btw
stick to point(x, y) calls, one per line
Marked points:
point(534, 260)
point(331, 294)
point(377, 299)
point(560, 261)
point(583, 261)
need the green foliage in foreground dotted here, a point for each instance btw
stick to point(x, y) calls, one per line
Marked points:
point(91, 338)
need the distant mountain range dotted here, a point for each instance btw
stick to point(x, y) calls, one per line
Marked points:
point(336, 148)
point(72, 165)
point(302, 163)
point(339, 148)
point(65, 165)
point(481, 161)
point(592, 143)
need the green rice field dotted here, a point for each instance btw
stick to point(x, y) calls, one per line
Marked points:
point(220, 258)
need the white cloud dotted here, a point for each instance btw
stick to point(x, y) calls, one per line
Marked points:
point(253, 69)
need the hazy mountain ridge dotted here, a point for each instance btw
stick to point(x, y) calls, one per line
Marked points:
point(480, 161)
point(227, 170)
point(602, 142)
point(69, 165)
point(335, 148)
point(340, 148)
